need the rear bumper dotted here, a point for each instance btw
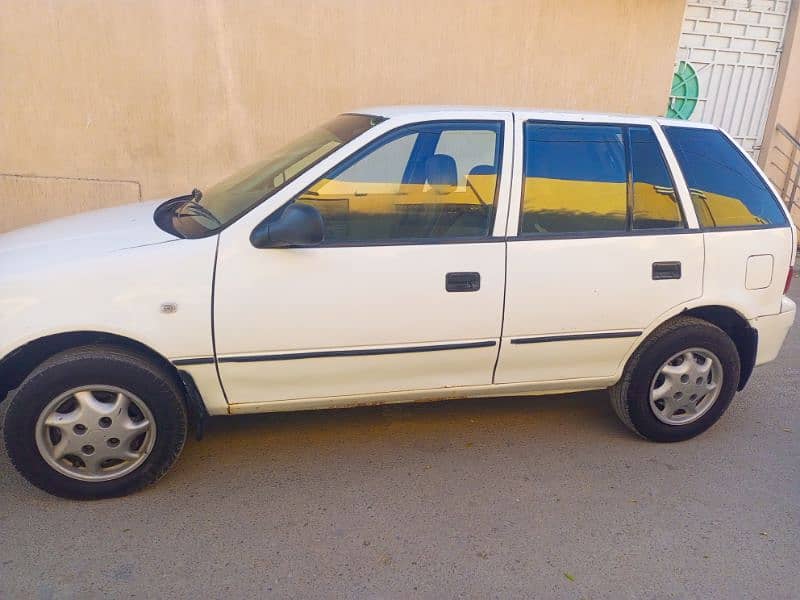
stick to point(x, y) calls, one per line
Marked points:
point(772, 331)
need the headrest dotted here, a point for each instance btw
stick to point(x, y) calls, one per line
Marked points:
point(442, 174)
point(483, 170)
point(482, 180)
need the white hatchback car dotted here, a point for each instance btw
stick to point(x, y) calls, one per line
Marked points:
point(395, 255)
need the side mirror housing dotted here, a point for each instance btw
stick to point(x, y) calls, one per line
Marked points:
point(299, 225)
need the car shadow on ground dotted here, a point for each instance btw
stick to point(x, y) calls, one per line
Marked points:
point(580, 420)
point(543, 410)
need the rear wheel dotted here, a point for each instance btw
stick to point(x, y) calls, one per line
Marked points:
point(679, 382)
point(95, 422)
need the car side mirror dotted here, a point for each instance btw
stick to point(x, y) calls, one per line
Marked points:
point(299, 225)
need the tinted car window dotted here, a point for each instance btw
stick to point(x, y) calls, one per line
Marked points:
point(423, 182)
point(726, 190)
point(575, 179)
point(655, 204)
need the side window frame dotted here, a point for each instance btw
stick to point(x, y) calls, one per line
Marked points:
point(669, 162)
point(501, 154)
point(670, 173)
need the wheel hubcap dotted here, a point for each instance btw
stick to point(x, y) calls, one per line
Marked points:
point(95, 433)
point(686, 386)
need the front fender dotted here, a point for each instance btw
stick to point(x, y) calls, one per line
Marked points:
point(121, 292)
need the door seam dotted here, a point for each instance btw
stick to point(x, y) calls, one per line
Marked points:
point(505, 246)
point(213, 323)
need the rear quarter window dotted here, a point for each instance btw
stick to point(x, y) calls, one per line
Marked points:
point(726, 190)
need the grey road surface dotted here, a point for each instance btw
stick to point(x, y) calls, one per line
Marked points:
point(544, 497)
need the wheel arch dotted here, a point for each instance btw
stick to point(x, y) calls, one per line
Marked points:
point(738, 329)
point(19, 363)
point(731, 321)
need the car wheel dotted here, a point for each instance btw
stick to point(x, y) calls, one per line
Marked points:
point(678, 382)
point(95, 422)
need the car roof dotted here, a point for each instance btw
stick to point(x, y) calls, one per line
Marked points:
point(426, 111)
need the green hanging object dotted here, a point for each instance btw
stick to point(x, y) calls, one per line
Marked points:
point(684, 93)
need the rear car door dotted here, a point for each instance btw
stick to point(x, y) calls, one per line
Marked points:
point(600, 245)
point(404, 294)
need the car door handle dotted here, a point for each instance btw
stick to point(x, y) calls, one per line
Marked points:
point(462, 282)
point(667, 270)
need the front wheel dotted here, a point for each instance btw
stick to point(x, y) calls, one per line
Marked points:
point(679, 382)
point(95, 422)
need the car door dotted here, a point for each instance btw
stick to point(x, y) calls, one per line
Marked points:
point(604, 245)
point(406, 291)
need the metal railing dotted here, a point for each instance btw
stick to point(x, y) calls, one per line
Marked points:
point(787, 162)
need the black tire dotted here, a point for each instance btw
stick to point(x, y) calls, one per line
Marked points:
point(90, 365)
point(630, 397)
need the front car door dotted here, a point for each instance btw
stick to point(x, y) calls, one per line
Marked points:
point(406, 291)
point(604, 246)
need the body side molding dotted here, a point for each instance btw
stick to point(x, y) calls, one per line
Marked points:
point(334, 353)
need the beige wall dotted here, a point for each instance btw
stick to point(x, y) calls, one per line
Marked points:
point(152, 97)
point(785, 110)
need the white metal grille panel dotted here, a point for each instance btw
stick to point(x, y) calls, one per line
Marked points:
point(735, 47)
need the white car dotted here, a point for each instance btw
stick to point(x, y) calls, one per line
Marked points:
point(394, 255)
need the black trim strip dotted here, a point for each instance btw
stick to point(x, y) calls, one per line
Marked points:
point(722, 229)
point(527, 237)
point(193, 361)
point(370, 352)
point(577, 336)
point(489, 239)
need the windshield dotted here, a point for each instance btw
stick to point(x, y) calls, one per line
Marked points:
point(234, 196)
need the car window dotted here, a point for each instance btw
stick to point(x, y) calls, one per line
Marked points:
point(229, 199)
point(429, 182)
point(655, 204)
point(575, 179)
point(469, 149)
point(726, 190)
point(384, 167)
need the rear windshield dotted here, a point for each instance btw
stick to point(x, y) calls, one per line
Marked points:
point(726, 190)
